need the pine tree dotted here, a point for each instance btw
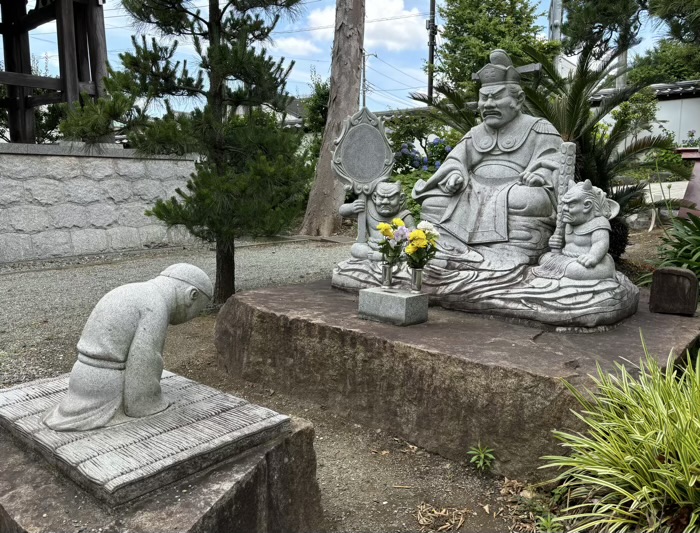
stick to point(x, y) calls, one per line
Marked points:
point(251, 177)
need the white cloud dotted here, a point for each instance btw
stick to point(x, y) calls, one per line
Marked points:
point(294, 46)
point(405, 30)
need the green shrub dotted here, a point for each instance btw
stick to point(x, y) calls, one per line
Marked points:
point(637, 468)
point(680, 244)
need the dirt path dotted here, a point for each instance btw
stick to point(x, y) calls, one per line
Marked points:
point(370, 481)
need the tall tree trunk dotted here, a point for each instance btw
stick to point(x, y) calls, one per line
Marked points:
point(327, 194)
point(225, 284)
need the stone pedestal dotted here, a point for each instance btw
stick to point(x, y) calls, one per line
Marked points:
point(211, 462)
point(674, 291)
point(400, 308)
point(445, 385)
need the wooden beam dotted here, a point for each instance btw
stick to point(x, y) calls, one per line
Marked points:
point(68, 62)
point(44, 99)
point(97, 41)
point(37, 17)
point(81, 42)
point(17, 61)
point(29, 80)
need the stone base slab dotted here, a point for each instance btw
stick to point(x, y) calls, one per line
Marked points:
point(116, 464)
point(445, 385)
point(271, 488)
point(400, 308)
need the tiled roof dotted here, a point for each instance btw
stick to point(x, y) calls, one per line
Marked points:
point(663, 91)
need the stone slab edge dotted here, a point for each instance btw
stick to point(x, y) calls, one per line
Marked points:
point(272, 488)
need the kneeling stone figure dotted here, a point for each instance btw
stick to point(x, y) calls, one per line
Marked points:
point(117, 374)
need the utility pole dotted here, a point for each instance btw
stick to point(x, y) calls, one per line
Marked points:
point(432, 32)
point(365, 86)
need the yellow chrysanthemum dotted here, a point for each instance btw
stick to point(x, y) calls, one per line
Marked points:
point(385, 229)
point(398, 222)
point(417, 234)
point(411, 249)
point(420, 243)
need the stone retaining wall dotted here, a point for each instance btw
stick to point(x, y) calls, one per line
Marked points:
point(59, 200)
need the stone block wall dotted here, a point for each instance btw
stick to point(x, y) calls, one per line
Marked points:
point(59, 200)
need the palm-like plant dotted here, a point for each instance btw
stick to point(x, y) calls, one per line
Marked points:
point(565, 101)
point(602, 156)
point(456, 107)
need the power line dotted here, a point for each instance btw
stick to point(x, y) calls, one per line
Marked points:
point(399, 17)
point(390, 96)
point(388, 77)
point(399, 70)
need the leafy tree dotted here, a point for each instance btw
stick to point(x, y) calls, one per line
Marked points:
point(407, 127)
point(317, 112)
point(245, 154)
point(46, 118)
point(667, 62)
point(601, 26)
point(455, 107)
point(473, 28)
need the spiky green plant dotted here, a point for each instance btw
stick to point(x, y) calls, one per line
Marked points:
point(680, 244)
point(637, 467)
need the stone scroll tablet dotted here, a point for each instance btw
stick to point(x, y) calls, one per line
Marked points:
point(118, 463)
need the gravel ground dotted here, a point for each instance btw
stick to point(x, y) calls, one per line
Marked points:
point(46, 303)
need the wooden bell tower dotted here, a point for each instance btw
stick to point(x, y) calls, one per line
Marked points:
point(82, 50)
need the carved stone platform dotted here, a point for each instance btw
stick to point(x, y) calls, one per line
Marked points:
point(445, 385)
point(116, 464)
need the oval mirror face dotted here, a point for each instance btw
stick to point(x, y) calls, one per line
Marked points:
point(364, 153)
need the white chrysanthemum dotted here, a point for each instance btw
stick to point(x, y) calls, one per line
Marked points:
point(428, 229)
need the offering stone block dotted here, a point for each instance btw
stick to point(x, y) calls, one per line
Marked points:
point(674, 291)
point(393, 307)
point(119, 463)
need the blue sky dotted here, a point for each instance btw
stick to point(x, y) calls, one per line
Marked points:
point(395, 32)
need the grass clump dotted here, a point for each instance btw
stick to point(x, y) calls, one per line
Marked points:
point(637, 468)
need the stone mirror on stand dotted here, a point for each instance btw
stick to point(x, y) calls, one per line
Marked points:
point(362, 161)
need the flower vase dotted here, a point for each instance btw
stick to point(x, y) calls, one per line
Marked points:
point(387, 275)
point(416, 280)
